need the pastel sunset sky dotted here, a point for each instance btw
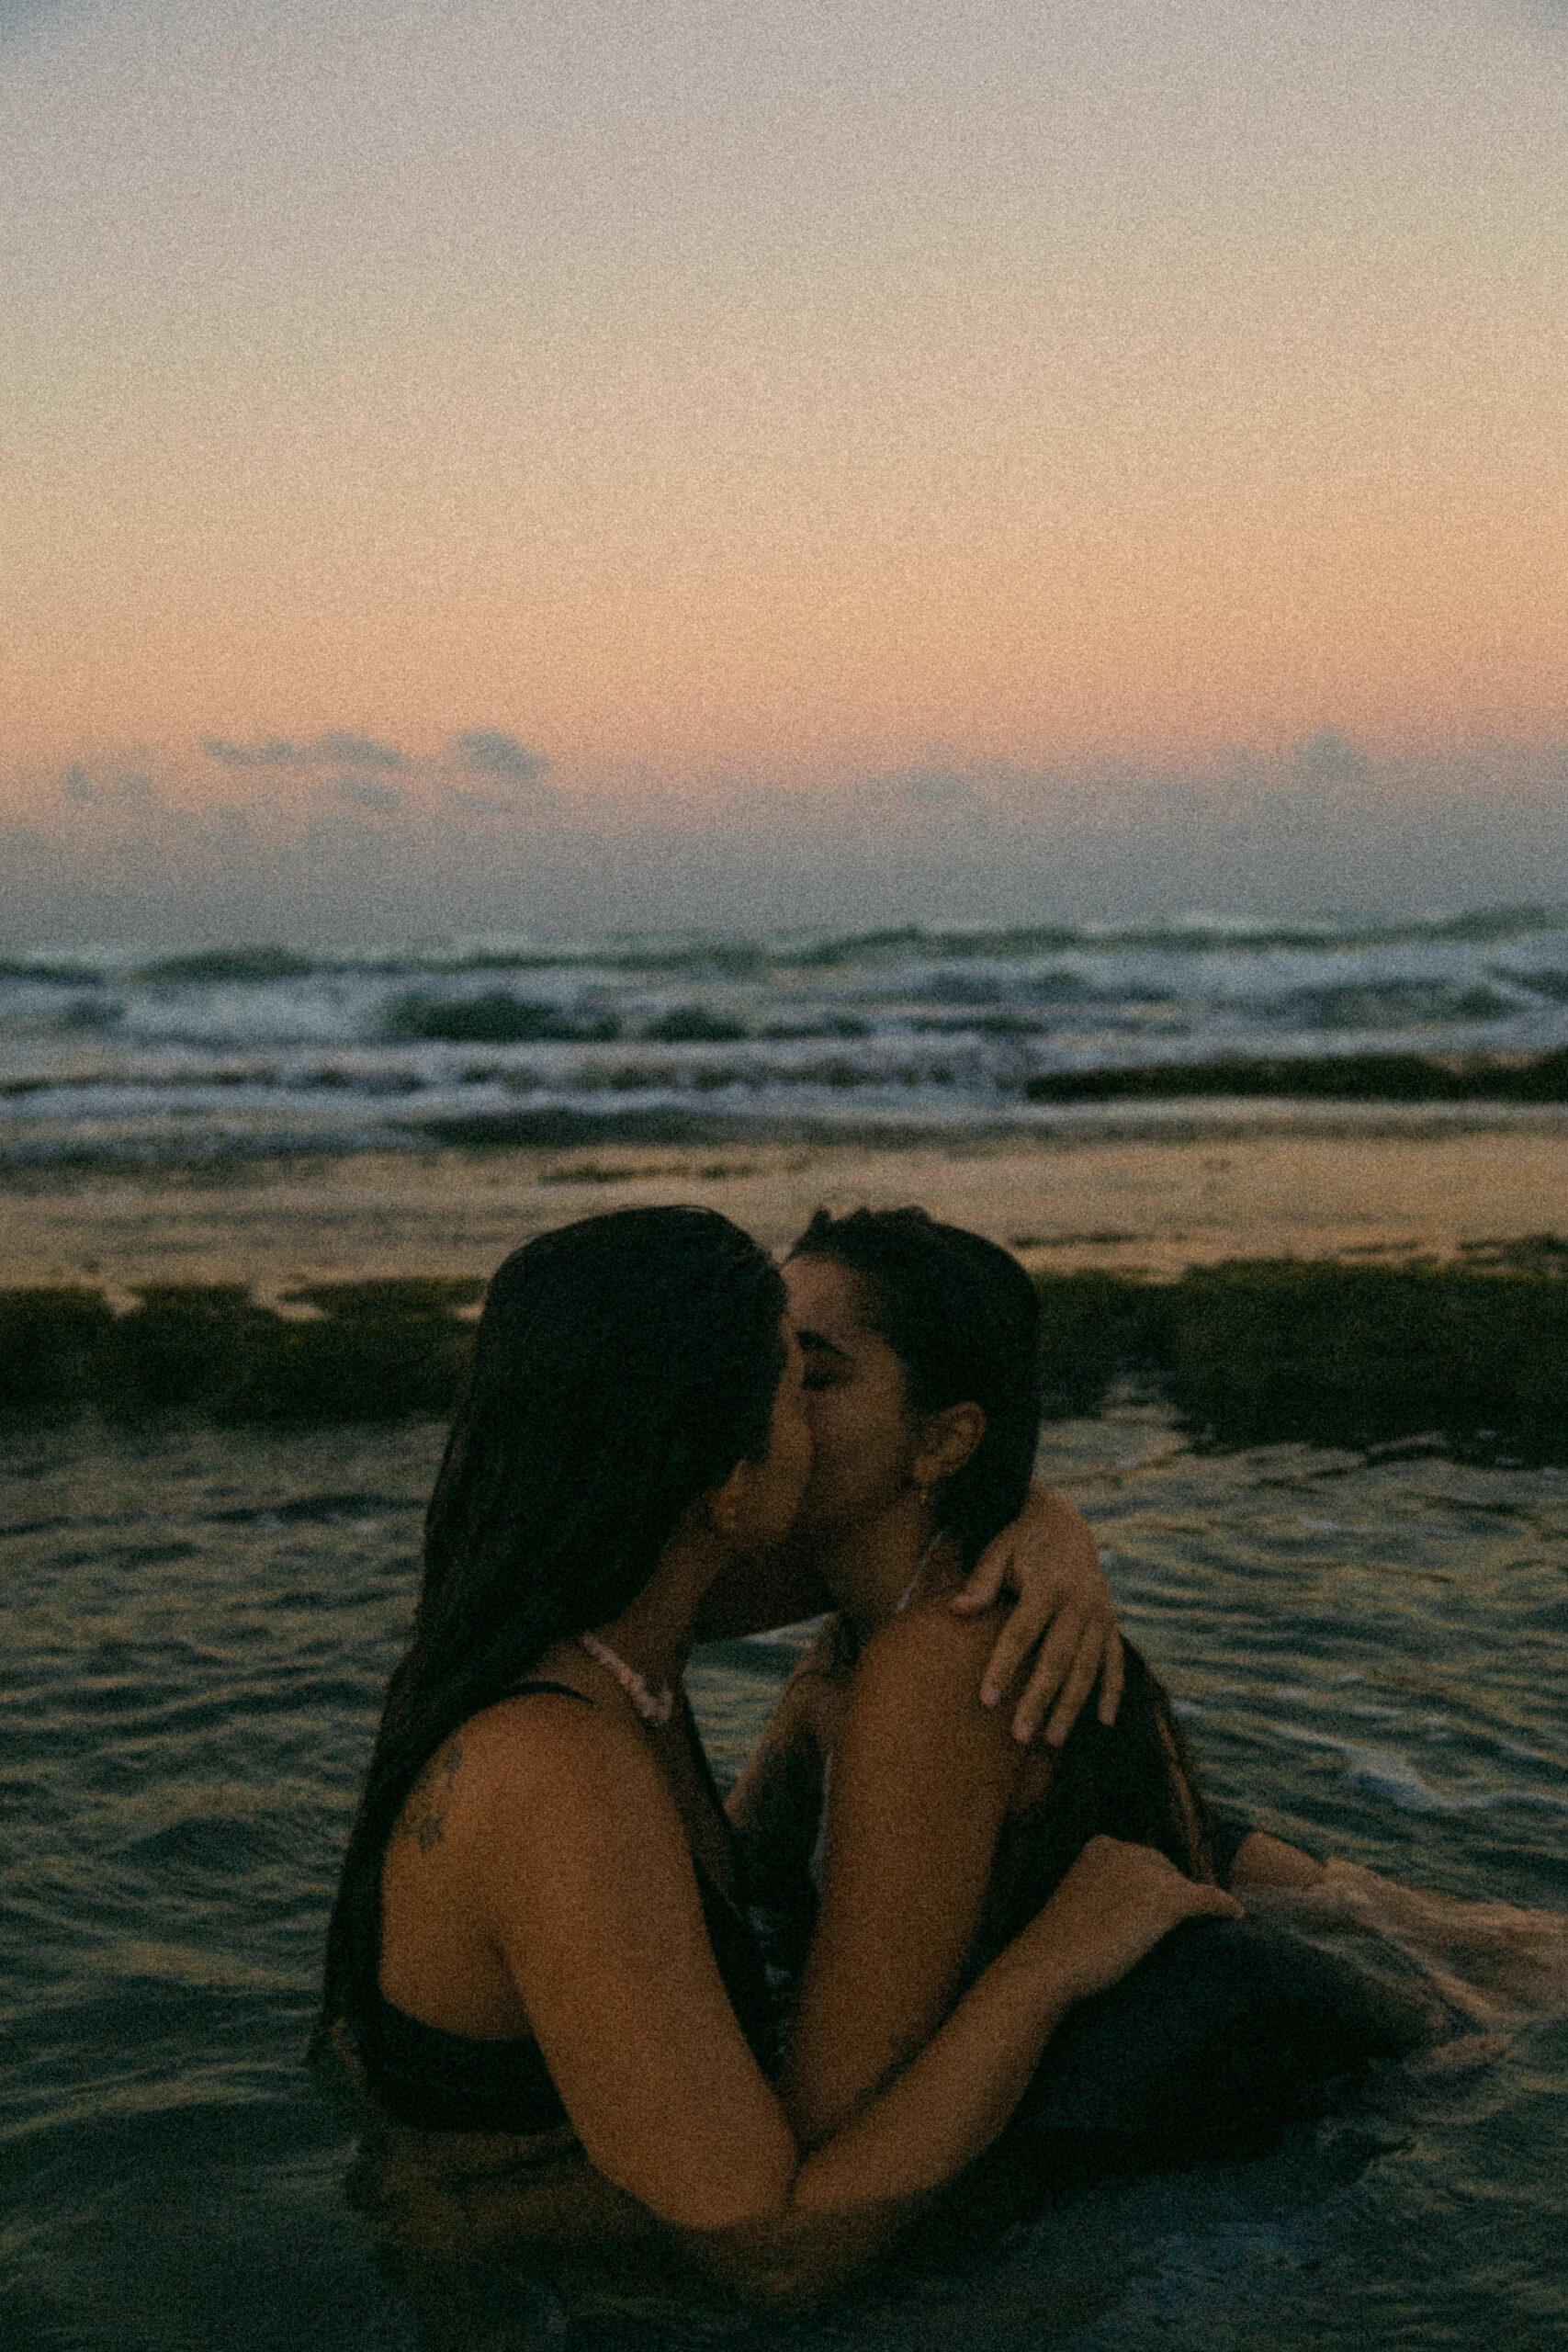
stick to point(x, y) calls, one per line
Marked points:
point(697, 461)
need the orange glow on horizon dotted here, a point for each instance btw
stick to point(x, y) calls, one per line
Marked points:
point(1121, 389)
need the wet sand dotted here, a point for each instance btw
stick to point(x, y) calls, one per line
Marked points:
point(1406, 1185)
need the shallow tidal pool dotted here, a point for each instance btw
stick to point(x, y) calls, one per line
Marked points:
point(1371, 1654)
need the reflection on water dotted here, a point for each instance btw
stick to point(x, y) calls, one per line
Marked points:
point(1369, 1653)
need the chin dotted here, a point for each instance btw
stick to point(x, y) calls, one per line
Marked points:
point(816, 1519)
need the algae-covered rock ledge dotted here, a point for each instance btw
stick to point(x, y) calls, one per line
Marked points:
point(353, 1351)
point(1247, 1351)
point(1252, 1351)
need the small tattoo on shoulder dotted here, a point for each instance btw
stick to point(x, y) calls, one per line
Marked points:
point(425, 1813)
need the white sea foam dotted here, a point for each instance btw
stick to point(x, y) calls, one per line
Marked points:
point(114, 1055)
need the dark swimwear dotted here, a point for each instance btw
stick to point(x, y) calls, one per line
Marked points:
point(1221, 2034)
point(456, 2081)
point(1224, 2033)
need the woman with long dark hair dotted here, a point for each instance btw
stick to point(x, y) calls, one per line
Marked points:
point(536, 1962)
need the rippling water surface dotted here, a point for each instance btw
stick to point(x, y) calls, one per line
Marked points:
point(1370, 1653)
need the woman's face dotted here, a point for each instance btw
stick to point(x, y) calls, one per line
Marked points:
point(864, 1436)
point(774, 1486)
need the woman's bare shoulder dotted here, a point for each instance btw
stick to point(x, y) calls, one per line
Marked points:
point(533, 1759)
point(561, 1721)
point(927, 1644)
point(918, 1683)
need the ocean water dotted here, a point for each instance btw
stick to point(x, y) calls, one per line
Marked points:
point(1368, 1652)
point(115, 1056)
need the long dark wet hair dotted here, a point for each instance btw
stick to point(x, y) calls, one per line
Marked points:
point(963, 1317)
point(622, 1368)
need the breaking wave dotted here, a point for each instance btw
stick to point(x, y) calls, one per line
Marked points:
point(113, 1054)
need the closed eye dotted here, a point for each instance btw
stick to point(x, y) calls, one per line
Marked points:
point(821, 1354)
point(825, 1365)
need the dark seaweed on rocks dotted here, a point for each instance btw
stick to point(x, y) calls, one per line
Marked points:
point(382, 1350)
point(373, 1351)
point(50, 1341)
point(1092, 1332)
point(184, 1344)
point(1249, 1353)
point(1257, 1351)
point(1356, 1355)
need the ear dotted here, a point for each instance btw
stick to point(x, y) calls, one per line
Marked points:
point(722, 1505)
point(948, 1440)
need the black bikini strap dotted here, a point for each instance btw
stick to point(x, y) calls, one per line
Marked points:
point(551, 1689)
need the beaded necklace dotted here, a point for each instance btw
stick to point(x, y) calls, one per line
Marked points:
point(654, 1706)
